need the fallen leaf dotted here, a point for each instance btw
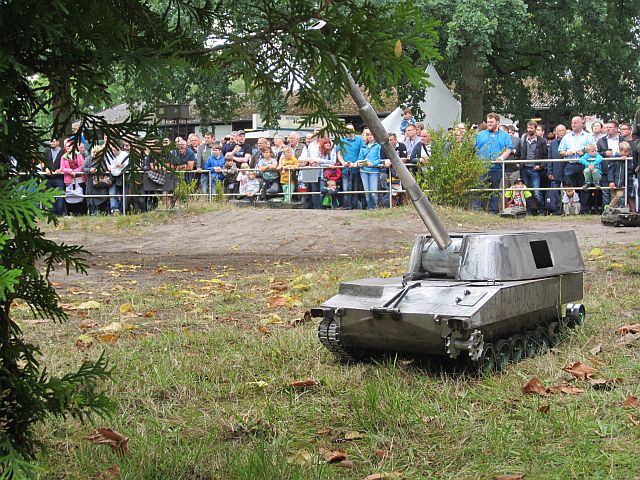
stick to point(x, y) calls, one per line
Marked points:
point(278, 286)
point(596, 350)
point(108, 338)
point(276, 301)
point(149, 314)
point(595, 252)
point(306, 318)
point(323, 431)
point(631, 402)
point(272, 319)
point(109, 474)
point(535, 386)
point(264, 330)
point(259, 384)
point(113, 327)
point(126, 308)
point(87, 325)
point(384, 475)
point(84, 342)
point(346, 464)
point(353, 436)
point(234, 248)
point(544, 408)
point(301, 457)
point(333, 456)
point(382, 453)
point(580, 370)
point(517, 476)
point(604, 383)
point(385, 274)
point(105, 436)
point(90, 305)
point(616, 265)
point(624, 330)
point(634, 419)
point(304, 383)
point(565, 388)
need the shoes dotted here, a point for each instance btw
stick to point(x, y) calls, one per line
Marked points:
point(115, 211)
point(585, 186)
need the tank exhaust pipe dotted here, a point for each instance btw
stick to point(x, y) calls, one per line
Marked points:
point(424, 208)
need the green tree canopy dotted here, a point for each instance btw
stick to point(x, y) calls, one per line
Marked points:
point(577, 57)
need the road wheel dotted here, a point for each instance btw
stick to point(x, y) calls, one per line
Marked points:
point(503, 354)
point(517, 348)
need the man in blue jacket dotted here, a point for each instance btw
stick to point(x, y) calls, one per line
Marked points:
point(348, 152)
point(493, 145)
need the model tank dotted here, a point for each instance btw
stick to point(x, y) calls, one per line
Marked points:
point(493, 298)
point(620, 217)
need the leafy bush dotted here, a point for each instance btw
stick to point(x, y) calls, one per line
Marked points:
point(452, 170)
point(28, 394)
point(183, 191)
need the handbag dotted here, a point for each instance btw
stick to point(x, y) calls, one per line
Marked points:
point(73, 192)
point(156, 177)
point(102, 181)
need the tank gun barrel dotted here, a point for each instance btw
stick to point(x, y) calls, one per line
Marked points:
point(421, 203)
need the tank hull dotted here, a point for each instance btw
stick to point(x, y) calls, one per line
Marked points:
point(428, 311)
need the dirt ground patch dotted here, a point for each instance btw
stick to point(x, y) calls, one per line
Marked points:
point(247, 238)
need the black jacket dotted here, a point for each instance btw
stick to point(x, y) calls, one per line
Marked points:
point(555, 168)
point(541, 150)
point(51, 163)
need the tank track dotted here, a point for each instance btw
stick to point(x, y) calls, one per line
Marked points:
point(500, 352)
point(329, 336)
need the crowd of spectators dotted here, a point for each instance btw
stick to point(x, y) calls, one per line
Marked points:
point(351, 172)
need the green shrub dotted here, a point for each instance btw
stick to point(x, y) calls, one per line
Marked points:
point(452, 170)
point(183, 191)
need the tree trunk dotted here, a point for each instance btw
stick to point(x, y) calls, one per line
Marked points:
point(472, 85)
point(61, 97)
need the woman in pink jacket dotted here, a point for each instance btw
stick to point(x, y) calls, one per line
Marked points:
point(74, 179)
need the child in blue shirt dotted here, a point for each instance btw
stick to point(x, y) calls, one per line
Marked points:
point(593, 161)
point(407, 119)
point(215, 164)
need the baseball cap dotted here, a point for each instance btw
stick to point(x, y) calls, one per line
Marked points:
point(241, 132)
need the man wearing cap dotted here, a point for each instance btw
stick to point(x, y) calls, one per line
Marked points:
point(241, 151)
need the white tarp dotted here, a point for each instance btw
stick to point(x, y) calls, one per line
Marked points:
point(440, 107)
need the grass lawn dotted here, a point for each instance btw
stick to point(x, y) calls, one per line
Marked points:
point(204, 362)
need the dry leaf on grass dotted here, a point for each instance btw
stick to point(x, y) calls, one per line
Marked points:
point(580, 370)
point(566, 388)
point(301, 457)
point(382, 453)
point(84, 342)
point(346, 464)
point(323, 431)
point(149, 314)
point(126, 308)
point(516, 476)
point(304, 383)
point(279, 286)
point(384, 475)
point(604, 383)
point(306, 318)
point(628, 339)
point(105, 436)
point(87, 325)
point(264, 330)
point(624, 330)
point(631, 402)
point(334, 456)
point(596, 350)
point(108, 338)
point(535, 386)
point(634, 419)
point(109, 474)
point(276, 301)
point(353, 436)
point(272, 319)
point(544, 408)
point(259, 384)
point(90, 305)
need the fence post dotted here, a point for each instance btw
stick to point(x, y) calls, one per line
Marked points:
point(626, 183)
point(502, 183)
point(390, 188)
point(124, 193)
point(210, 184)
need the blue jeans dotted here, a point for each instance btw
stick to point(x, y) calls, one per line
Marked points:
point(494, 177)
point(531, 179)
point(115, 199)
point(349, 200)
point(59, 206)
point(370, 185)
